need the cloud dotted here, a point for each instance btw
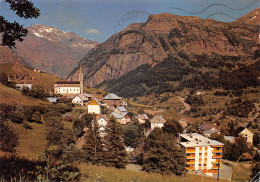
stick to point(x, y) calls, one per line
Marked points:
point(93, 31)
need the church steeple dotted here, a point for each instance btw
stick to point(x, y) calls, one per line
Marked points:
point(81, 79)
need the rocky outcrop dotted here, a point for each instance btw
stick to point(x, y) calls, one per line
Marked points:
point(163, 36)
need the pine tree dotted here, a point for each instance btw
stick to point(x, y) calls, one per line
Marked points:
point(114, 148)
point(93, 147)
point(162, 155)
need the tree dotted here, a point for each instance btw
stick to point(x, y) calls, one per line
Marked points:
point(14, 31)
point(80, 124)
point(132, 135)
point(37, 117)
point(114, 148)
point(93, 146)
point(17, 115)
point(8, 138)
point(173, 127)
point(162, 155)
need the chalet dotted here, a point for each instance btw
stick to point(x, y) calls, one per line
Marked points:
point(80, 99)
point(23, 85)
point(157, 121)
point(202, 154)
point(248, 135)
point(94, 107)
point(112, 99)
point(142, 118)
point(122, 118)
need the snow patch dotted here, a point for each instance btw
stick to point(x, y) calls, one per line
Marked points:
point(253, 18)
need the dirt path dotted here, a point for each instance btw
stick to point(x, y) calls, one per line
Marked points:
point(187, 106)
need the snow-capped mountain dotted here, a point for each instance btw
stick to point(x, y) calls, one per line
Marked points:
point(53, 50)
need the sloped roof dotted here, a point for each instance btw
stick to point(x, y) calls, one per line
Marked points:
point(206, 126)
point(118, 115)
point(158, 119)
point(122, 108)
point(93, 102)
point(98, 96)
point(83, 97)
point(111, 96)
point(102, 116)
point(143, 116)
point(67, 82)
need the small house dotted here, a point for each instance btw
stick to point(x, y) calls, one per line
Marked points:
point(52, 99)
point(248, 135)
point(112, 99)
point(157, 121)
point(80, 99)
point(94, 107)
point(142, 118)
point(68, 117)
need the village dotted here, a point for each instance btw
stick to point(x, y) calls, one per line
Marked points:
point(203, 154)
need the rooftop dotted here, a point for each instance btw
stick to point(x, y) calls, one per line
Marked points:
point(67, 82)
point(118, 115)
point(207, 126)
point(197, 140)
point(122, 108)
point(143, 116)
point(111, 96)
point(158, 119)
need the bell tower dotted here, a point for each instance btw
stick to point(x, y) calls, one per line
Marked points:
point(81, 79)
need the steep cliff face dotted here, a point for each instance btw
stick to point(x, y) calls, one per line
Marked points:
point(53, 50)
point(165, 37)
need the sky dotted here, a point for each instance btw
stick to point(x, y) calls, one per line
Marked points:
point(99, 19)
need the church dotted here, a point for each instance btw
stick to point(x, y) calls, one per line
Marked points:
point(70, 88)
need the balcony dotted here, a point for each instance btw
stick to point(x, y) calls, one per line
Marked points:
point(216, 156)
point(217, 151)
point(190, 150)
point(190, 157)
point(191, 162)
point(190, 168)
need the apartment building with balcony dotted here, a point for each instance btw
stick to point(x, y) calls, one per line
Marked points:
point(202, 154)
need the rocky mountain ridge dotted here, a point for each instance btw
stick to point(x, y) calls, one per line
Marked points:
point(168, 41)
point(52, 50)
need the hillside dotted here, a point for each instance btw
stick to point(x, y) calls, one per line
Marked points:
point(169, 52)
point(52, 50)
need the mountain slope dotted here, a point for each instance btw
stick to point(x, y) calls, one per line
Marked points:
point(167, 51)
point(52, 50)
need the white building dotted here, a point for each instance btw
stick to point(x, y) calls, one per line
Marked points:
point(248, 136)
point(202, 154)
point(157, 121)
point(80, 99)
point(102, 121)
point(142, 118)
point(94, 107)
point(68, 88)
